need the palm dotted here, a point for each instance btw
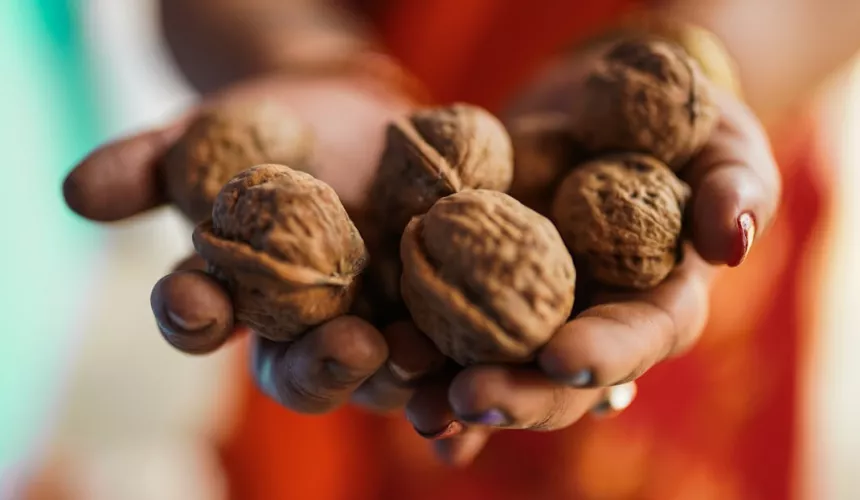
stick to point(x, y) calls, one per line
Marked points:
point(349, 125)
point(349, 358)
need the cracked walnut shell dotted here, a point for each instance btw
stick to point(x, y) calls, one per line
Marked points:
point(285, 248)
point(646, 96)
point(227, 139)
point(436, 152)
point(485, 278)
point(621, 217)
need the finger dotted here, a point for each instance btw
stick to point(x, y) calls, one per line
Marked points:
point(736, 186)
point(411, 358)
point(122, 178)
point(193, 311)
point(193, 262)
point(462, 449)
point(320, 371)
point(624, 335)
point(430, 414)
point(381, 393)
point(411, 355)
point(518, 398)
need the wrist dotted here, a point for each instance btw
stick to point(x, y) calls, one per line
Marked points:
point(218, 43)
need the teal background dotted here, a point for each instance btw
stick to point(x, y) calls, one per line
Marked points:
point(49, 118)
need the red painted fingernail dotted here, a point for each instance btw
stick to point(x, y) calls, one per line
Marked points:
point(453, 428)
point(745, 240)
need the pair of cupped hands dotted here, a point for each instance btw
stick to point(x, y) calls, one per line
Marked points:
point(589, 365)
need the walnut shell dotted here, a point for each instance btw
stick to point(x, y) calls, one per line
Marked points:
point(645, 96)
point(436, 152)
point(621, 218)
point(486, 278)
point(286, 249)
point(227, 139)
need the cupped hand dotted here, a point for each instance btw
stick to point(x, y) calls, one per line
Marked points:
point(591, 363)
point(346, 358)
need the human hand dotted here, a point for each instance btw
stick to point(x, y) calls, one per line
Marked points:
point(591, 363)
point(346, 358)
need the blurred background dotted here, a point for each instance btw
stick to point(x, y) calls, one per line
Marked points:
point(85, 378)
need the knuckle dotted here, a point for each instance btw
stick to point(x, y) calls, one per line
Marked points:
point(667, 335)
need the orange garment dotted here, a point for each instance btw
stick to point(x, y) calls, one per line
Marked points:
point(719, 423)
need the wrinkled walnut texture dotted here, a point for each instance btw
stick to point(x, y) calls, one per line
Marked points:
point(645, 96)
point(225, 140)
point(286, 249)
point(621, 217)
point(436, 152)
point(486, 278)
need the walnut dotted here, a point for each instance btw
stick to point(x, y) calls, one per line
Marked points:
point(227, 139)
point(646, 96)
point(486, 278)
point(436, 152)
point(621, 218)
point(285, 248)
point(432, 153)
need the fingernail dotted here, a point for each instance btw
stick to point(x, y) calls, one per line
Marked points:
point(617, 399)
point(582, 378)
point(402, 375)
point(491, 418)
point(186, 325)
point(452, 429)
point(745, 239)
point(340, 373)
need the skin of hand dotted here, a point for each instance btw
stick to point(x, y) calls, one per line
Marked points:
point(736, 191)
point(342, 359)
point(594, 358)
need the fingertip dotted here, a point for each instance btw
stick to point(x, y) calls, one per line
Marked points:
point(412, 355)
point(74, 193)
point(594, 352)
point(382, 393)
point(353, 342)
point(568, 371)
point(320, 370)
point(121, 178)
point(461, 450)
point(737, 186)
point(625, 334)
point(193, 312)
point(430, 414)
point(730, 205)
point(471, 391)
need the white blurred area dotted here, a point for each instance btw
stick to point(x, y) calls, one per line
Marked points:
point(138, 414)
point(833, 407)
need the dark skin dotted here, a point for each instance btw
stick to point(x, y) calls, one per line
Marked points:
point(616, 340)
